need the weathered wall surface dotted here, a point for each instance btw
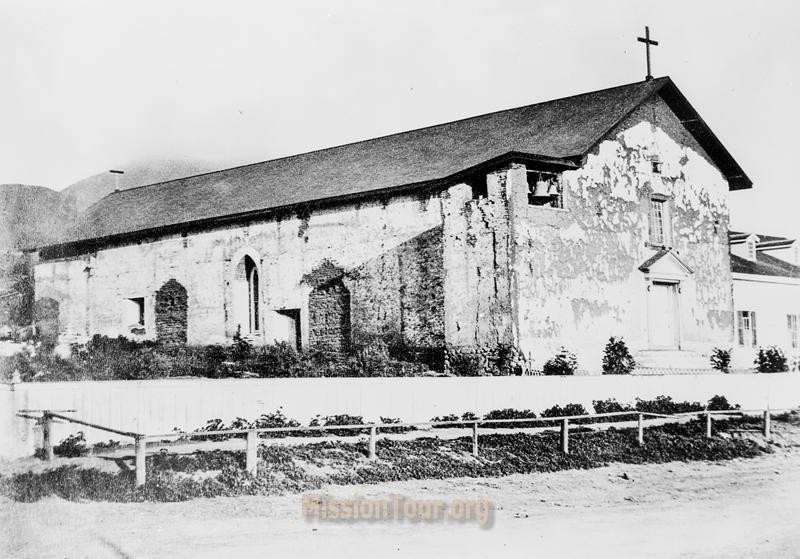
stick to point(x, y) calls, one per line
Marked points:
point(92, 287)
point(159, 406)
point(577, 268)
point(408, 303)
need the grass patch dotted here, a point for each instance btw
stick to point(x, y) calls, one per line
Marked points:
point(282, 469)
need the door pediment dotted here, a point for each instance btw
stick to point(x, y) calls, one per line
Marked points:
point(665, 263)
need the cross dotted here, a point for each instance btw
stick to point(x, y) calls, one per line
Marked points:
point(646, 40)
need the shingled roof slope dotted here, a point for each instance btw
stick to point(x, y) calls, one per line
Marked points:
point(766, 265)
point(562, 129)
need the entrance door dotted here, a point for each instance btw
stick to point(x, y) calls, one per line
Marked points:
point(663, 315)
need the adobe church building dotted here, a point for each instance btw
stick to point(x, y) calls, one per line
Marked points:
point(509, 234)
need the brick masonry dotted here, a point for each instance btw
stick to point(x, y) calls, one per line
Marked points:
point(171, 313)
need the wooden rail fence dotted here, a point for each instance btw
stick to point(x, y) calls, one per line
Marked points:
point(252, 435)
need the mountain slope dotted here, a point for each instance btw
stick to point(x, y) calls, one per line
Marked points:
point(31, 215)
point(87, 191)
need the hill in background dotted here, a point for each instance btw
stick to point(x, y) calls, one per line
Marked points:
point(87, 191)
point(33, 216)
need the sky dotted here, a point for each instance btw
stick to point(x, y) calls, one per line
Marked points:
point(90, 86)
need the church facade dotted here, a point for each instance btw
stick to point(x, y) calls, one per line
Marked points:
point(503, 237)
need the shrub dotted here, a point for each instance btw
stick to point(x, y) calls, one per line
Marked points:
point(617, 359)
point(568, 409)
point(612, 406)
point(720, 403)
point(664, 405)
point(721, 360)
point(391, 420)
point(770, 360)
point(509, 413)
point(564, 363)
point(341, 419)
point(71, 447)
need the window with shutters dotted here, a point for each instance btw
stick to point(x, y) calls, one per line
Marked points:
point(791, 322)
point(747, 328)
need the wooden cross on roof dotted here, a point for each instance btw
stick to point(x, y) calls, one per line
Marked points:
point(647, 41)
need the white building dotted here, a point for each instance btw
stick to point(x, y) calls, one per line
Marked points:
point(766, 295)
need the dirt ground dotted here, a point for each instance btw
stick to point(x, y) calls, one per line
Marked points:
point(739, 508)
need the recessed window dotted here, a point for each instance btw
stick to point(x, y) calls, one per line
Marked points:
point(289, 327)
point(478, 185)
point(792, 322)
point(751, 249)
point(133, 312)
point(659, 222)
point(746, 323)
point(544, 189)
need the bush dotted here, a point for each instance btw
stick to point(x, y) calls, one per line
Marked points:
point(73, 446)
point(509, 413)
point(721, 360)
point(720, 403)
point(617, 359)
point(612, 406)
point(770, 360)
point(104, 358)
point(568, 409)
point(664, 405)
point(564, 363)
point(341, 419)
point(391, 420)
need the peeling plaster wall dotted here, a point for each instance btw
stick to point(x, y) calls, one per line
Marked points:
point(90, 288)
point(577, 268)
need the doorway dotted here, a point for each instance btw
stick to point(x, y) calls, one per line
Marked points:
point(663, 323)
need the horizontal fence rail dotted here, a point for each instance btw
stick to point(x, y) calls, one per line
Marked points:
point(252, 435)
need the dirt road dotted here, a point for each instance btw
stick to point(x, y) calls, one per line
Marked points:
point(741, 508)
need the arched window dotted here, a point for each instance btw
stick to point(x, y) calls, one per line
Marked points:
point(246, 297)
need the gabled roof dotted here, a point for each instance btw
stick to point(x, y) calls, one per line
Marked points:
point(559, 132)
point(766, 265)
point(762, 241)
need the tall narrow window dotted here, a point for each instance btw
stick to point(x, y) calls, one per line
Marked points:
point(659, 222)
point(747, 328)
point(791, 322)
point(246, 295)
point(252, 283)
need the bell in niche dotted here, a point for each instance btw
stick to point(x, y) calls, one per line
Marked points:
point(552, 189)
point(541, 189)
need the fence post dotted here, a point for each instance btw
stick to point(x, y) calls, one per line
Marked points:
point(372, 434)
point(47, 436)
point(141, 467)
point(565, 436)
point(708, 425)
point(475, 439)
point(640, 425)
point(767, 421)
point(251, 460)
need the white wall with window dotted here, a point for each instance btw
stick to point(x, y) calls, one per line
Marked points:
point(767, 310)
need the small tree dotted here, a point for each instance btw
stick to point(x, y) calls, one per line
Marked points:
point(564, 363)
point(617, 359)
point(770, 360)
point(721, 360)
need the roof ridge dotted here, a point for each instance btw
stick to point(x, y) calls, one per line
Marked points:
point(429, 127)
